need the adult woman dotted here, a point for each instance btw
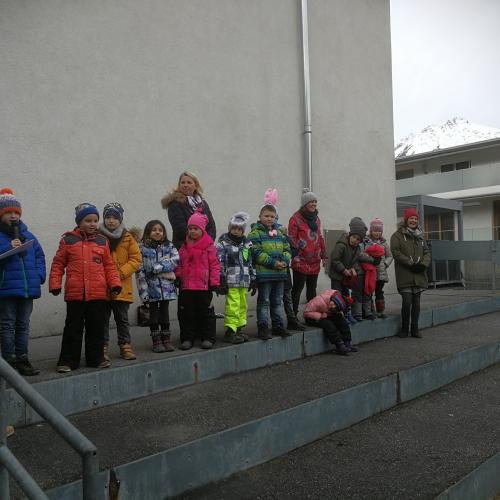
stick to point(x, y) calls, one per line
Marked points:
point(412, 258)
point(308, 248)
point(181, 203)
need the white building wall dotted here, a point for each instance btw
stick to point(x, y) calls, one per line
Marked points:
point(110, 100)
point(478, 220)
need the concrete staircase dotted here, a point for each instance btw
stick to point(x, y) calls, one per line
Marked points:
point(163, 432)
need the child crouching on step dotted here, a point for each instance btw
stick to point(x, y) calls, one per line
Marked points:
point(199, 274)
point(237, 276)
point(156, 282)
point(327, 310)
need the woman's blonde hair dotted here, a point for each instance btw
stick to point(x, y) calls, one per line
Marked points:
point(198, 189)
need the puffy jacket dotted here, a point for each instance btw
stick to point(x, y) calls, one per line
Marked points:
point(21, 274)
point(385, 261)
point(90, 269)
point(267, 250)
point(155, 278)
point(309, 244)
point(319, 307)
point(236, 262)
point(199, 268)
point(409, 248)
point(127, 257)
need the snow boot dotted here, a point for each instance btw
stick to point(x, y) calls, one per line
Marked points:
point(380, 306)
point(157, 343)
point(340, 348)
point(166, 340)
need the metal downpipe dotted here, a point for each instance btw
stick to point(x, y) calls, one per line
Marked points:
point(307, 95)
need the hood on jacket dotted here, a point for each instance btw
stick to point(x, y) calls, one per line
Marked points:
point(174, 195)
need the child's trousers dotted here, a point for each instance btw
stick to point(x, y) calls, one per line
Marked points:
point(235, 310)
point(335, 328)
point(120, 313)
point(91, 316)
point(196, 315)
point(15, 315)
point(159, 315)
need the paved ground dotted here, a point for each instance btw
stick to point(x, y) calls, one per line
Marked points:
point(45, 350)
point(414, 451)
point(136, 429)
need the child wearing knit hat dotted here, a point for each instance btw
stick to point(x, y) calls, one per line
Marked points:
point(375, 237)
point(237, 276)
point(199, 275)
point(23, 273)
point(127, 257)
point(91, 277)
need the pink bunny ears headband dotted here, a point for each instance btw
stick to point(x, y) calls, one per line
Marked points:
point(271, 197)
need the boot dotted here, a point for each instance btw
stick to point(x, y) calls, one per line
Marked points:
point(9, 430)
point(166, 339)
point(350, 318)
point(105, 354)
point(126, 352)
point(264, 333)
point(414, 332)
point(280, 330)
point(25, 368)
point(242, 333)
point(340, 348)
point(349, 346)
point(233, 337)
point(380, 307)
point(403, 332)
point(293, 324)
point(157, 343)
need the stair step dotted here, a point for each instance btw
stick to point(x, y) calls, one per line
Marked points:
point(233, 413)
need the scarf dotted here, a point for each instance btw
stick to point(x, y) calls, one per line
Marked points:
point(311, 218)
point(371, 269)
point(9, 231)
point(114, 237)
point(194, 202)
point(236, 240)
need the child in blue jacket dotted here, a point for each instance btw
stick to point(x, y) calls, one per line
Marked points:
point(21, 276)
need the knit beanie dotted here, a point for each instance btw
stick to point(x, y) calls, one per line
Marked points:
point(84, 209)
point(114, 210)
point(307, 196)
point(339, 301)
point(376, 225)
point(239, 219)
point(358, 227)
point(198, 219)
point(410, 212)
point(8, 202)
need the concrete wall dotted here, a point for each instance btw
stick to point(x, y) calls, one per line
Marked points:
point(110, 100)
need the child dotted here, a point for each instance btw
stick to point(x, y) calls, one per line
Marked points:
point(127, 257)
point(199, 274)
point(375, 238)
point(271, 255)
point(156, 282)
point(21, 277)
point(345, 268)
point(90, 276)
point(237, 275)
point(327, 310)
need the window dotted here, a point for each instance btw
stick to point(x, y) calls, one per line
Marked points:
point(440, 226)
point(459, 165)
point(404, 174)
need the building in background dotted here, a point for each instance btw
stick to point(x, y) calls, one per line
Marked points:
point(108, 100)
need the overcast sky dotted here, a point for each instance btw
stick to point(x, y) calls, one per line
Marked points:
point(445, 62)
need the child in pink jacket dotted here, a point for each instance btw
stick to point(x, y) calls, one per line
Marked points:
point(327, 310)
point(198, 273)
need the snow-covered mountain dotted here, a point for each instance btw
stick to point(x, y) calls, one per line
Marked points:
point(454, 132)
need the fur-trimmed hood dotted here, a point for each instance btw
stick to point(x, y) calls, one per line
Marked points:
point(174, 195)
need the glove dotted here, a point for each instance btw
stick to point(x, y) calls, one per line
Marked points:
point(55, 292)
point(116, 290)
point(376, 261)
point(253, 287)
point(418, 267)
point(222, 290)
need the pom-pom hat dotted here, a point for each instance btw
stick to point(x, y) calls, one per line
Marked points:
point(358, 227)
point(8, 202)
point(114, 210)
point(198, 219)
point(339, 301)
point(239, 219)
point(307, 197)
point(84, 209)
point(376, 225)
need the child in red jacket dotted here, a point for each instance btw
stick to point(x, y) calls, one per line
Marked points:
point(90, 277)
point(327, 310)
point(198, 273)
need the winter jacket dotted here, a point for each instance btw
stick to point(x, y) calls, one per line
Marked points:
point(21, 274)
point(179, 211)
point(235, 261)
point(199, 268)
point(267, 250)
point(155, 277)
point(344, 256)
point(309, 244)
point(408, 249)
point(127, 257)
point(385, 261)
point(90, 270)
point(319, 307)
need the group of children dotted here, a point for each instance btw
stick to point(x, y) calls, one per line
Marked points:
point(100, 259)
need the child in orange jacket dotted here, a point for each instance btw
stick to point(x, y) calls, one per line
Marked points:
point(91, 275)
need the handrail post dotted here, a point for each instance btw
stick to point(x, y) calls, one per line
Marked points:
point(90, 476)
point(4, 474)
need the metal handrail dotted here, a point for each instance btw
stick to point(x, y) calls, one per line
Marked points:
point(8, 463)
